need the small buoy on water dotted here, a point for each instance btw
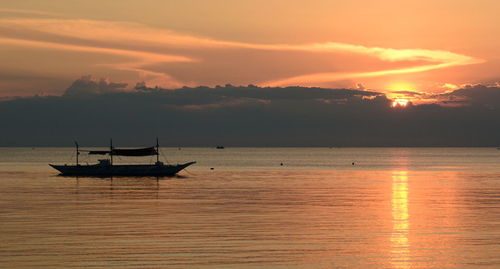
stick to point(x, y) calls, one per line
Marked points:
point(211, 168)
point(281, 164)
point(352, 163)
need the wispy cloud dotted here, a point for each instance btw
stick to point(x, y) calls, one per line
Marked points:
point(334, 76)
point(28, 12)
point(115, 31)
point(146, 39)
point(141, 59)
point(145, 57)
point(439, 58)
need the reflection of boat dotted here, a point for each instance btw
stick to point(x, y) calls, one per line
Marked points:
point(219, 147)
point(105, 167)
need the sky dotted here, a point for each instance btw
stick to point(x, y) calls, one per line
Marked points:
point(387, 46)
point(250, 73)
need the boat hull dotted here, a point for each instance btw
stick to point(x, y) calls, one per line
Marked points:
point(98, 170)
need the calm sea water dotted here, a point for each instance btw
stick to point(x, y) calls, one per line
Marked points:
point(394, 208)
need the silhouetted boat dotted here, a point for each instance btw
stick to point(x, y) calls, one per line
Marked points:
point(106, 168)
point(219, 147)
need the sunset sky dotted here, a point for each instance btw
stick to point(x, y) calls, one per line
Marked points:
point(386, 45)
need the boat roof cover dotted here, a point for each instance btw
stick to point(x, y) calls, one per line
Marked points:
point(127, 152)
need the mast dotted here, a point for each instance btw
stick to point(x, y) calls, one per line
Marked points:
point(77, 152)
point(111, 151)
point(157, 151)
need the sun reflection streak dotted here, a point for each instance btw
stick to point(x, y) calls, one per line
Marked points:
point(400, 244)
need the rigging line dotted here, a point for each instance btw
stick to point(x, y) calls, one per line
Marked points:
point(187, 172)
point(163, 156)
point(191, 174)
point(72, 157)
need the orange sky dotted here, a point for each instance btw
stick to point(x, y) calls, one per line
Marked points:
point(425, 46)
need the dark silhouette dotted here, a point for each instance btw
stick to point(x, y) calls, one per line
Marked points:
point(106, 167)
point(253, 116)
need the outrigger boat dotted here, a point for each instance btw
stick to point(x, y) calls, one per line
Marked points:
point(106, 168)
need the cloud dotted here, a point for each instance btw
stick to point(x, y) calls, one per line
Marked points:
point(15, 11)
point(110, 36)
point(408, 93)
point(87, 85)
point(144, 57)
point(450, 86)
point(474, 95)
point(141, 59)
point(245, 116)
point(127, 31)
point(360, 87)
point(334, 76)
point(230, 94)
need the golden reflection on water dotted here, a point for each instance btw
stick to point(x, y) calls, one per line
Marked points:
point(250, 217)
point(400, 245)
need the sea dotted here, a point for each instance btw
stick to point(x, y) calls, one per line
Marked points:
point(256, 208)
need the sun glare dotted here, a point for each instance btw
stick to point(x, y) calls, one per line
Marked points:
point(400, 93)
point(401, 86)
point(399, 103)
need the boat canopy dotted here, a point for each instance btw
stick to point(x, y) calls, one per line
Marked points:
point(127, 152)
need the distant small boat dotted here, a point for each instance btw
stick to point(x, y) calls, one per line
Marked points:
point(219, 147)
point(106, 168)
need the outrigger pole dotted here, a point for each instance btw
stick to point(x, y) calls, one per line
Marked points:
point(157, 151)
point(111, 151)
point(77, 152)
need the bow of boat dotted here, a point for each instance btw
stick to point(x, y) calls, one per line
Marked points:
point(187, 164)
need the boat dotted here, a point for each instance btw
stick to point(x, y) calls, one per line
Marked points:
point(219, 147)
point(106, 167)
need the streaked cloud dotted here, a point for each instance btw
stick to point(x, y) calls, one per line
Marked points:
point(440, 58)
point(27, 12)
point(145, 57)
point(148, 46)
point(325, 77)
point(140, 59)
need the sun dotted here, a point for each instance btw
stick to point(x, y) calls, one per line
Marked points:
point(400, 93)
point(400, 102)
